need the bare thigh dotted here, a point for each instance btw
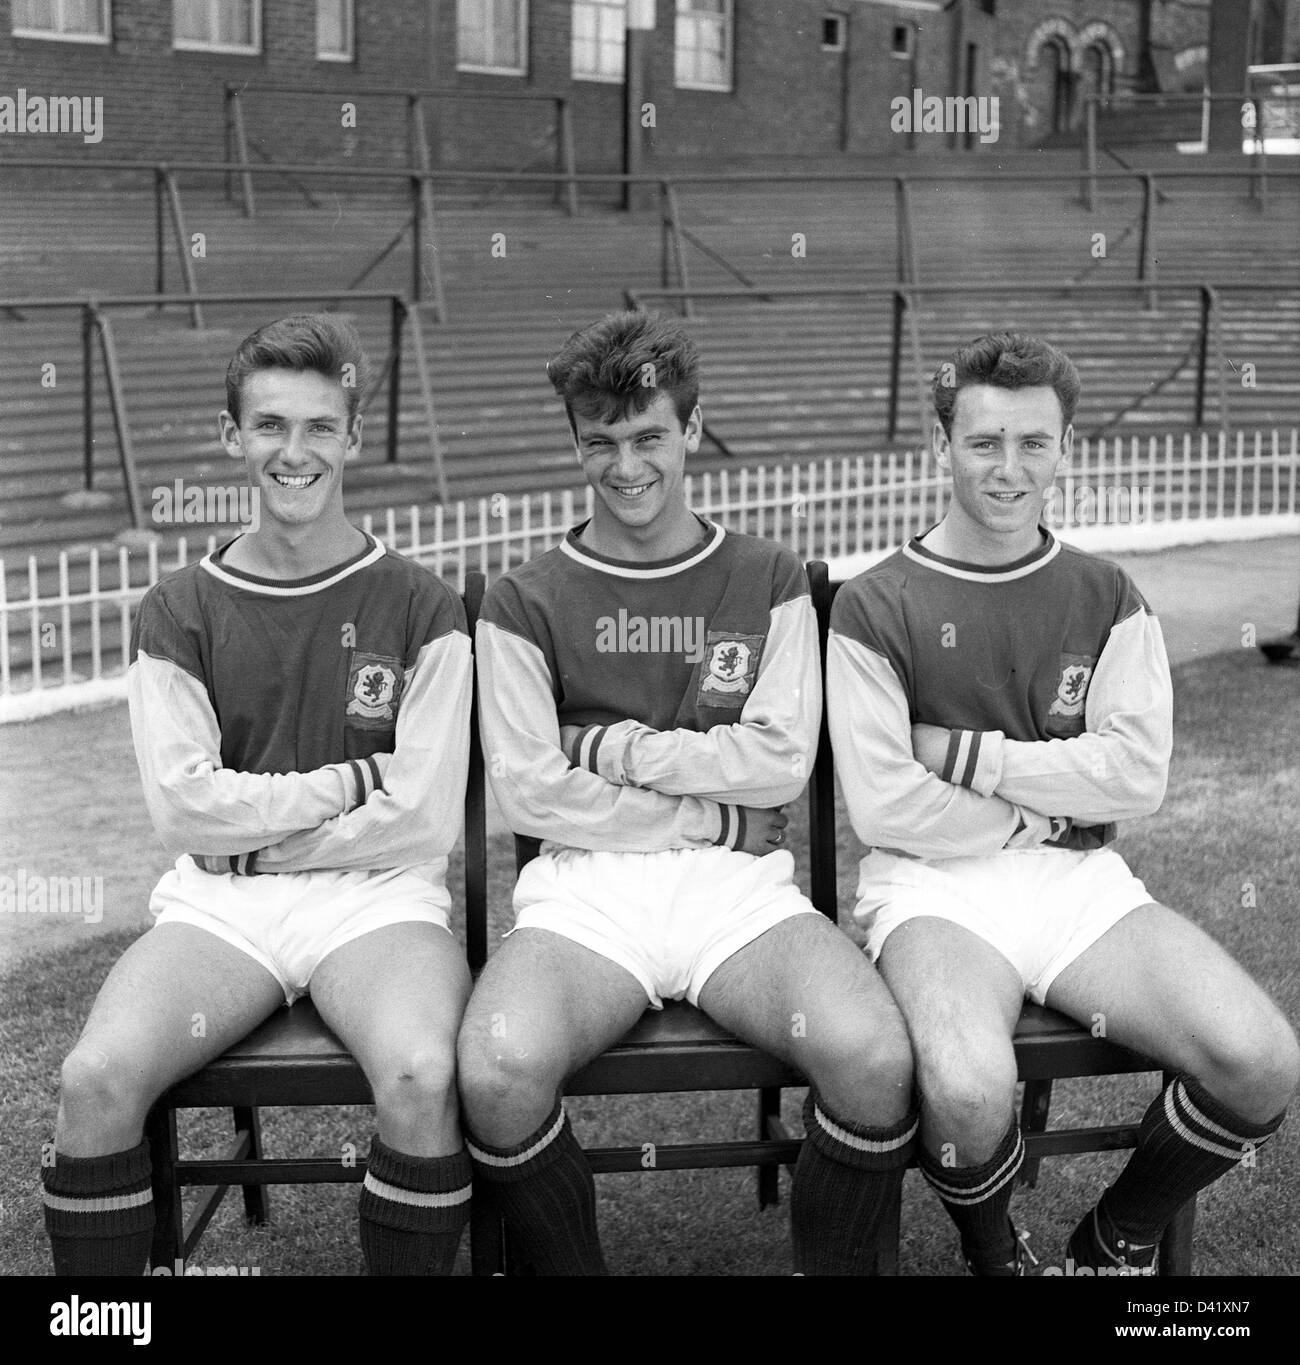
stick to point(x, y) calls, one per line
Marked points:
point(1157, 983)
point(804, 992)
point(178, 997)
point(395, 998)
point(543, 1007)
point(961, 999)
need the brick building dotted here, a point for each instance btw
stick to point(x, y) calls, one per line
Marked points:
point(733, 82)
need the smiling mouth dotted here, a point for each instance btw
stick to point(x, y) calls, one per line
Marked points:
point(295, 480)
point(632, 490)
point(1007, 498)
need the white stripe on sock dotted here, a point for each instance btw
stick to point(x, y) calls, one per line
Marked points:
point(424, 1199)
point(505, 1162)
point(109, 1203)
point(861, 1144)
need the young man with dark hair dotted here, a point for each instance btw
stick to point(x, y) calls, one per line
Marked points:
point(650, 700)
point(300, 709)
point(998, 702)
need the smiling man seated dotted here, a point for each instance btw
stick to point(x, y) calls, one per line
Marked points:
point(651, 698)
point(300, 710)
point(997, 702)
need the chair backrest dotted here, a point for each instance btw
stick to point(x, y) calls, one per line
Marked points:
point(475, 803)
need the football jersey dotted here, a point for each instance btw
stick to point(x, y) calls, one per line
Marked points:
point(695, 681)
point(1050, 672)
point(302, 724)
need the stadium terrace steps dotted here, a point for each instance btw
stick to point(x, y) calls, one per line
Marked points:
point(783, 381)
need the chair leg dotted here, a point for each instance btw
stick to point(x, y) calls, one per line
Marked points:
point(769, 1127)
point(486, 1232)
point(257, 1198)
point(169, 1223)
point(1034, 1107)
point(1176, 1244)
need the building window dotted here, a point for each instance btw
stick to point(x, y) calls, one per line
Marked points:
point(832, 33)
point(598, 39)
point(492, 35)
point(217, 25)
point(334, 31)
point(900, 44)
point(703, 44)
point(71, 21)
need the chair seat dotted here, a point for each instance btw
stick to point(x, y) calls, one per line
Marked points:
point(291, 1058)
point(294, 1058)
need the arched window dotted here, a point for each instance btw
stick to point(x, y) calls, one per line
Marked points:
point(1054, 83)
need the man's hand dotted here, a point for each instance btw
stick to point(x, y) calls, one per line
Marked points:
point(764, 830)
point(930, 746)
point(569, 741)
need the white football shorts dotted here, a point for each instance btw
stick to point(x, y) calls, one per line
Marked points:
point(291, 921)
point(1041, 908)
point(670, 918)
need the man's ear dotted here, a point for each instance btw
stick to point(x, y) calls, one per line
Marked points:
point(1067, 447)
point(942, 448)
point(230, 437)
point(694, 430)
point(353, 451)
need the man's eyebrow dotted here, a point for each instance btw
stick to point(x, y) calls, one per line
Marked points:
point(1001, 431)
point(279, 416)
point(604, 431)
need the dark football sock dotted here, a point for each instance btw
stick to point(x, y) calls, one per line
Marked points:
point(847, 1182)
point(99, 1212)
point(413, 1210)
point(1187, 1140)
point(548, 1198)
point(978, 1199)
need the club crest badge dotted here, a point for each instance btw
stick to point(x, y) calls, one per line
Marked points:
point(729, 668)
point(374, 690)
point(1065, 714)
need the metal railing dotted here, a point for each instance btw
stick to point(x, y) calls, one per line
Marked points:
point(94, 321)
point(905, 299)
point(56, 635)
point(417, 132)
point(1259, 171)
point(422, 227)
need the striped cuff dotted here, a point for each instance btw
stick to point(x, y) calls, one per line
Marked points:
point(587, 754)
point(733, 827)
point(974, 1184)
point(530, 1157)
point(973, 760)
point(219, 864)
point(367, 778)
point(414, 1193)
point(854, 1144)
point(1201, 1121)
point(99, 1196)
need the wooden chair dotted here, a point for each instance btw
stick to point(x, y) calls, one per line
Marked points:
point(292, 1059)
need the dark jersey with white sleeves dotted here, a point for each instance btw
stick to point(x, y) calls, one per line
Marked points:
point(1050, 671)
point(313, 723)
point(695, 681)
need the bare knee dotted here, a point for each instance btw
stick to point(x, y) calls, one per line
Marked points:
point(101, 1101)
point(505, 1085)
point(416, 1086)
point(864, 1074)
point(967, 1100)
point(1255, 1070)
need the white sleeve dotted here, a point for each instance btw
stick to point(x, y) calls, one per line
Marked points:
point(416, 815)
point(893, 802)
point(540, 794)
point(196, 805)
point(1119, 767)
point(761, 760)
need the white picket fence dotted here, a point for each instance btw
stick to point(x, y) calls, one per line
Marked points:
point(68, 637)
